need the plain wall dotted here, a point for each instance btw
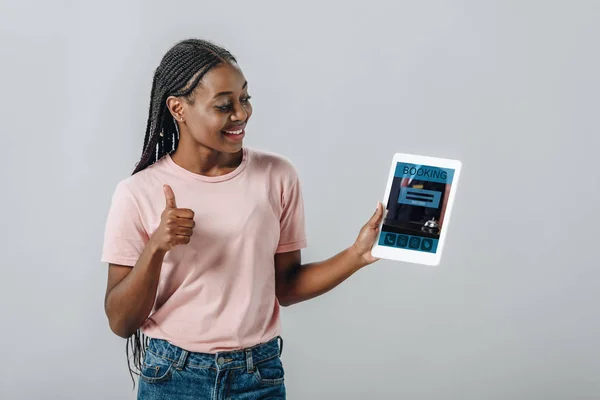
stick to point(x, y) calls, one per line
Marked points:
point(511, 88)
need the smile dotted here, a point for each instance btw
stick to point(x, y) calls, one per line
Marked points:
point(235, 132)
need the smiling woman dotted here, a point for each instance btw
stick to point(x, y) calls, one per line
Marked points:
point(198, 272)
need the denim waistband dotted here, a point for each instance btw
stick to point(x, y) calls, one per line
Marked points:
point(221, 360)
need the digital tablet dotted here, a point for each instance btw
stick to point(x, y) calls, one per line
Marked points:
point(418, 199)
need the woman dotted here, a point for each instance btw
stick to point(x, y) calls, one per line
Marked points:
point(204, 240)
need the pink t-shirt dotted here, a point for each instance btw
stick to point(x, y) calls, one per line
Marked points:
point(216, 293)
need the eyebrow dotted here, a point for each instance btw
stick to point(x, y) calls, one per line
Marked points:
point(227, 93)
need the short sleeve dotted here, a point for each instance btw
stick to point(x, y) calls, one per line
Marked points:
point(124, 236)
point(292, 223)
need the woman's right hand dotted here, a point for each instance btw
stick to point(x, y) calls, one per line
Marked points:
point(176, 224)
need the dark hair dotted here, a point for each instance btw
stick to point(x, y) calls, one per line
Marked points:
point(179, 73)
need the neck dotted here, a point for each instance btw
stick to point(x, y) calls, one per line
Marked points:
point(203, 160)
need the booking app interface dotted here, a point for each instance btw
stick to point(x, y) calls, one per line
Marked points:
point(416, 207)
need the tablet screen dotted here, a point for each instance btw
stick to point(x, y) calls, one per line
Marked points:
point(416, 207)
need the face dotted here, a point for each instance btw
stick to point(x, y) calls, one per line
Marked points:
point(219, 112)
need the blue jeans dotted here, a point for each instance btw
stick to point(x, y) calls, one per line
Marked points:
point(170, 372)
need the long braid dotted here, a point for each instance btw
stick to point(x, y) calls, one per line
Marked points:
point(179, 73)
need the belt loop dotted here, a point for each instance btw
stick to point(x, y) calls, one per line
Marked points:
point(249, 362)
point(280, 339)
point(182, 359)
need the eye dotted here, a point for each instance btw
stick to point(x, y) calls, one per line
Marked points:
point(228, 107)
point(224, 107)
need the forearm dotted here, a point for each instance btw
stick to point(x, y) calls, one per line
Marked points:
point(130, 302)
point(311, 280)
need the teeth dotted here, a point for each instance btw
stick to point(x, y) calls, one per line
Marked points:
point(234, 132)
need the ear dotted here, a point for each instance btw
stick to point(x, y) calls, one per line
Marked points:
point(175, 106)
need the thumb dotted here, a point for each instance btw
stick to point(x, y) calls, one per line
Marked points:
point(376, 218)
point(169, 196)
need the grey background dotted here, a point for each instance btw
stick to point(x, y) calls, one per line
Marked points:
point(508, 87)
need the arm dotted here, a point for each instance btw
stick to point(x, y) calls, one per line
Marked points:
point(130, 292)
point(296, 282)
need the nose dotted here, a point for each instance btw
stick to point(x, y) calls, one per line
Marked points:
point(239, 113)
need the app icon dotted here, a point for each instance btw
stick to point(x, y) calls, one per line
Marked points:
point(390, 239)
point(427, 244)
point(414, 242)
point(402, 241)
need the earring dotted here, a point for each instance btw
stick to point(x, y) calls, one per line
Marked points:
point(161, 134)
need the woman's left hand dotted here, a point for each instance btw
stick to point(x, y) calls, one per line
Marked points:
point(367, 236)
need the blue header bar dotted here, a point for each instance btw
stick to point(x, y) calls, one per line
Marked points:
point(424, 173)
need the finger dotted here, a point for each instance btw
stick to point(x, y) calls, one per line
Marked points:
point(185, 223)
point(376, 218)
point(183, 213)
point(169, 197)
point(182, 239)
point(182, 231)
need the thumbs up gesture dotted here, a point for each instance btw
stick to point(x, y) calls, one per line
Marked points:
point(176, 224)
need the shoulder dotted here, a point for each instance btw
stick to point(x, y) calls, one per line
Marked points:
point(139, 184)
point(276, 164)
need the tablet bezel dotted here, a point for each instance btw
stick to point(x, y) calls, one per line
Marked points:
point(412, 256)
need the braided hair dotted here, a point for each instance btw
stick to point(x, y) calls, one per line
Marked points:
point(179, 73)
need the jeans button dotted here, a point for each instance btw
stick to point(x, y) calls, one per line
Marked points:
point(221, 361)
